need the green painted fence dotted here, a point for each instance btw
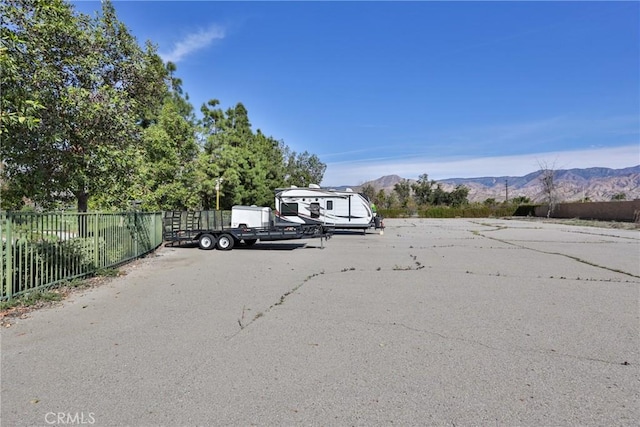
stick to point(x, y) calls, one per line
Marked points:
point(39, 250)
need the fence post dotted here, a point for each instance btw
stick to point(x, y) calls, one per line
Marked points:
point(8, 291)
point(2, 251)
point(96, 243)
point(136, 233)
point(154, 232)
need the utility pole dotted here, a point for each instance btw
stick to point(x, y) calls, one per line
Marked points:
point(218, 182)
point(506, 189)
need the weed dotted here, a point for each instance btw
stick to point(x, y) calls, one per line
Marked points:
point(30, 299)
point(241, 319)
point(5, 305)
point(75, 283)
point(108, 272)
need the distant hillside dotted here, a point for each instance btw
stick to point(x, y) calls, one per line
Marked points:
point(596, 184)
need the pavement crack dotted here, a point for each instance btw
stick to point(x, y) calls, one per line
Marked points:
point(547, 352)
point(281, 301)
point(575, 258)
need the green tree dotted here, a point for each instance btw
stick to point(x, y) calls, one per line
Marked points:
point(391, 201)
point(18, 107)
point(370, 192)
point(303, 169)
point(619, 196)
point(458, 196)
point(271, 167)
point(520, 200)
point(439, 196)
point(403, 192)
point(167, 175)
point(221, 158)
point(422, 190)
point(94, 85)
point(250, 165)
point(381, 198)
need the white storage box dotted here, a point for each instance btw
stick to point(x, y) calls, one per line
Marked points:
point(250, 217)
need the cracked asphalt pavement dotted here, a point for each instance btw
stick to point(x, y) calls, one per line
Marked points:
point(436, 322)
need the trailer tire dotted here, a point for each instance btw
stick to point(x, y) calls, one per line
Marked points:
point(225, 242)
point(250, 242)
point(207, 242)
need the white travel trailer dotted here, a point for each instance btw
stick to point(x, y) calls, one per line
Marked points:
point(315, 205)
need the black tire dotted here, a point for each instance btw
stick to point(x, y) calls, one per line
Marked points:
point(250, 242)
point(207, 242)
point(225, 242)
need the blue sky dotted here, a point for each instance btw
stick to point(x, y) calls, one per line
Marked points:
point(451, 89)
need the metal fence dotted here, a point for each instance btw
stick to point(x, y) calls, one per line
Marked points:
point(38, 250)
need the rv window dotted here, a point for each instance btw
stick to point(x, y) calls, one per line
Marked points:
point(288, 209)
point(314, 210)
point(329, 205)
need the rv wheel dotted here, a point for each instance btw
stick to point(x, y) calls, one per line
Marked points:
point(207, 242)
point(225, 242)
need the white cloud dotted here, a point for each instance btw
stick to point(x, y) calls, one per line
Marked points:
point(358, 172)
point(193, 42)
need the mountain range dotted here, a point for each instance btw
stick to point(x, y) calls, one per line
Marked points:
point(594, 184)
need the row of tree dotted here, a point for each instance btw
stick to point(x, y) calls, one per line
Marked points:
point(422, 193)
point(89, 115)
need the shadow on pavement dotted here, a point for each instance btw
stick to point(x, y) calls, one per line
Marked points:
point(267, 246)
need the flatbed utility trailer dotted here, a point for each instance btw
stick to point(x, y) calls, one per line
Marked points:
point(247, 224)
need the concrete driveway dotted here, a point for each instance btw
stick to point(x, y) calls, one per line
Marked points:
point(436, 322)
